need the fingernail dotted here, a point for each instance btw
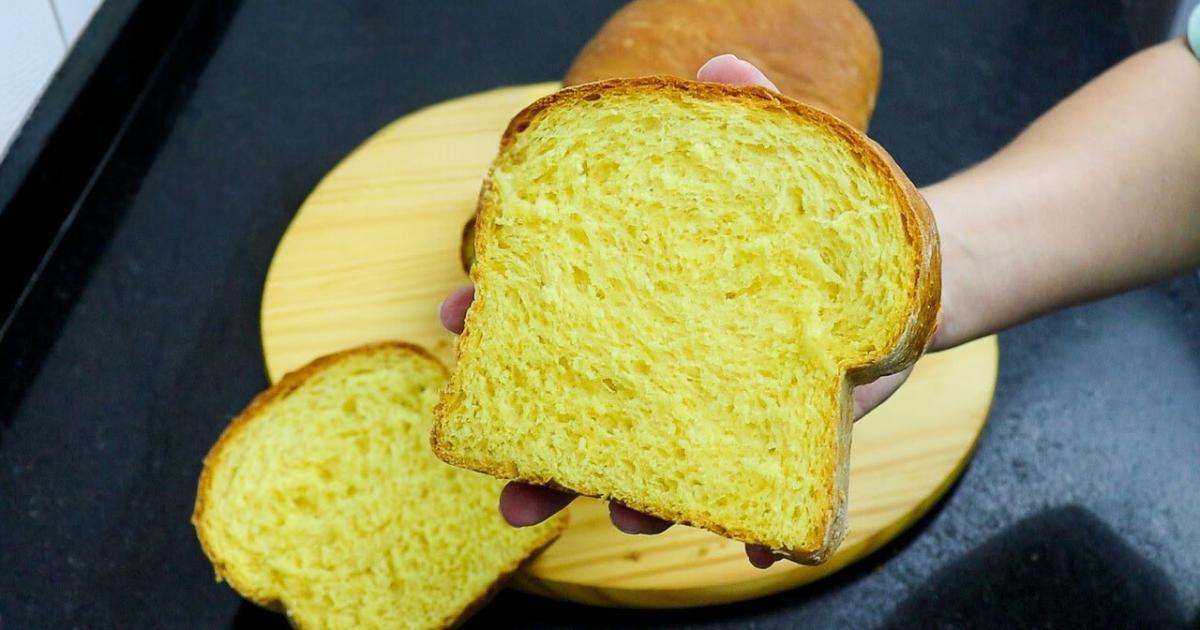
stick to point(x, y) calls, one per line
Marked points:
point(714, 59)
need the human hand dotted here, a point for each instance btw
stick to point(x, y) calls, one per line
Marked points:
point(522, 504)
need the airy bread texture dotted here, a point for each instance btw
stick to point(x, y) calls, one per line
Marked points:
point(677, 284)
point(820, 52)
point(323, 499)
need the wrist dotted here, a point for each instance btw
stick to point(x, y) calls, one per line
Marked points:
point(957, 322)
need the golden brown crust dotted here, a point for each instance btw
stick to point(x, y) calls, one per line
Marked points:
point(926, 297)
point(901, 352)
point(286, 385)
point(820, 52)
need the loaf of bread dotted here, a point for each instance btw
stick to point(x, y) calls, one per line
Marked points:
point(324, 500)
point(820, 52)
point(677, 285)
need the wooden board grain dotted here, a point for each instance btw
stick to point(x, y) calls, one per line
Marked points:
point(375, 248)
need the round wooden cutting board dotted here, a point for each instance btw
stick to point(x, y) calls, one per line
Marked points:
point(375, 248)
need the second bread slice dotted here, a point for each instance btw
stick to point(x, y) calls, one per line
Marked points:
point(323, 499)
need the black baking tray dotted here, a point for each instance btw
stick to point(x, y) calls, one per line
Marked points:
point(144, 199)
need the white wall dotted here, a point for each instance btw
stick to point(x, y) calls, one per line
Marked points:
point(35, 36)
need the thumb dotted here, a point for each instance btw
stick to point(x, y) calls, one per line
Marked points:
point(729, 69)
point(870, 395)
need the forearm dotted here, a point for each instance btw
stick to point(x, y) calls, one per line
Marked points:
point(1100, 195)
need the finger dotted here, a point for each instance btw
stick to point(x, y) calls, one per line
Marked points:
point(729, 69)
point(870, 395)
point(761, 557)
point(522, 504)
point(633, 522)
point(454, 308)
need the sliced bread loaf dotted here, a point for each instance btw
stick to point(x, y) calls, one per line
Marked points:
point(323, 499)
point(676, 286)
point(820, 52)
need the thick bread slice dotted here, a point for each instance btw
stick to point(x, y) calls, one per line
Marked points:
point(820, 52)
point(323, 499)
point(677, 285)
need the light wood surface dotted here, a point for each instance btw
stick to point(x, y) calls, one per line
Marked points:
point(373, 251)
